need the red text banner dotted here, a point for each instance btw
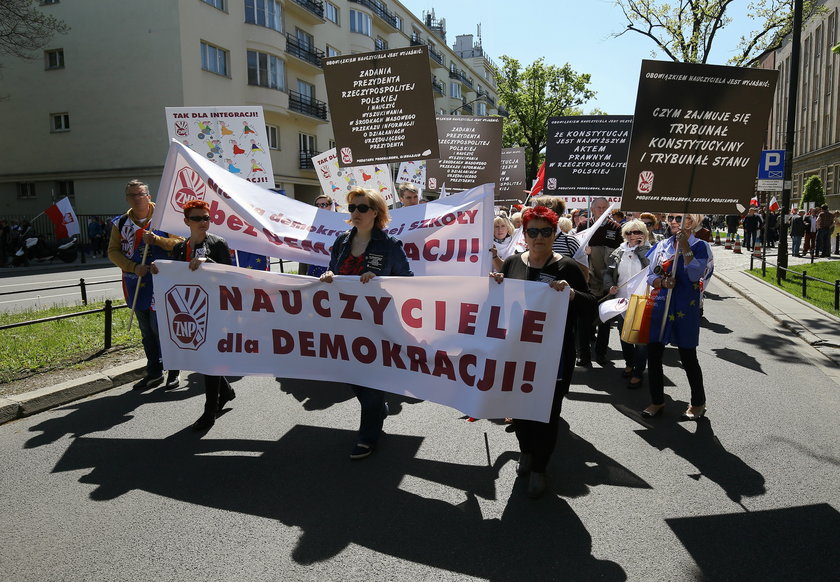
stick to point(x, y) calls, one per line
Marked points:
point(489, 350)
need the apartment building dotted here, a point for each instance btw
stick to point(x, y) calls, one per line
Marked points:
point(817, 142)
point(88, 115)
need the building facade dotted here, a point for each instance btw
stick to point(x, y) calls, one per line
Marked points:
point(817, 141)
point(88, 115)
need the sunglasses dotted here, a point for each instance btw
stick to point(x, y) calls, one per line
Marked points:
point(323, 204)
point(673, 218)
point(648, 224)
point(362, 208)
point(629, 232)
point(544, 232)
point(205, 218)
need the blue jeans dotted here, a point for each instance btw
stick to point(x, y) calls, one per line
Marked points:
point(147, 322)
point(373, 413)
point(797, 242)
point(823, 245)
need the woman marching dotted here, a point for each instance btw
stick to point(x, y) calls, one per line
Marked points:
point(677, 266)
point(366, 251)
point(540, 263)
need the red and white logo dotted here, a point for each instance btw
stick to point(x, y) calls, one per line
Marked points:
point(432, 183)
point(347, 155)
point(645, 182)
point(552, 183)
point(68, 218)
point(187, 186)
point(186, 314)
point(182, 128)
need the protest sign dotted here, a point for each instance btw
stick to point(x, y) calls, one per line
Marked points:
point(586, 155)
point(697, 137)
point(233, 138)
point(445, 237)
point(413, 172)
point(337, 181)
point(511, 186)
point(489, 350)
point(470, 153)
point(382, 106)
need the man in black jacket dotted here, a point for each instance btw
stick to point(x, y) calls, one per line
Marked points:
point(797, 231)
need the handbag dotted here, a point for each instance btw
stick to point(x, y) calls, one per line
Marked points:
point(636, 328)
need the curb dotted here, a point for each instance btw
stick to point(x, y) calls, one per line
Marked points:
point(28, 403)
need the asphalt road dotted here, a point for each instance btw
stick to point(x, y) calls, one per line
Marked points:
point(116, 487)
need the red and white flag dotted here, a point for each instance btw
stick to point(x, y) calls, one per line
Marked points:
point(65, 223)
point(754, 201)
point(539, 184)
point(774, 204)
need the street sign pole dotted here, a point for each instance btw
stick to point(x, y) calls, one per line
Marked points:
point(789, 138)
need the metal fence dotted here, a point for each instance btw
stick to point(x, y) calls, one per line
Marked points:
point(805, 278)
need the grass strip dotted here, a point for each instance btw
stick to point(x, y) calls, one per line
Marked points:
point(42, 347)
point(818, 294)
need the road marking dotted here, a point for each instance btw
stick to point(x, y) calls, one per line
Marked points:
point(45, 297)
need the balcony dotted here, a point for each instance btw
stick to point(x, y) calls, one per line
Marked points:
point(380, 44)
point(315, 7)
point(379, 9)
point(437, 86)
point(304, 51)
point(436, 56)
point(466, 106)
point(306, 159)
point(482, 94)
point(307, 105)
point(459, 74)
point(416, 40)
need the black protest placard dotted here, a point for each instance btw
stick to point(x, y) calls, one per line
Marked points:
point(511, 186)
point(697, 137)
point(470, 153)
point(587, 154)
point(382, 106)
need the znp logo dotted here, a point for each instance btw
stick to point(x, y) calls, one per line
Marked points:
point(186, 314)
point(187, 186)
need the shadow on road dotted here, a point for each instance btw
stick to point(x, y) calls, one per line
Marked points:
point(321, 395)
point(305, 480)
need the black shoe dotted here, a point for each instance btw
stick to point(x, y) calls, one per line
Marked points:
point(173, 379)
point(584, 362)
point(536, 485)
point(148, 382)
point(633, 385)
point(601, 359)
point(225, 398)
point(523, 467)
point(361, 451)
point(204, 422)
point(627, 372)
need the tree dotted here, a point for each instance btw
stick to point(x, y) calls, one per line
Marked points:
point(533, 95)
point(25, 28)
point(685, 30)
point(813, 191)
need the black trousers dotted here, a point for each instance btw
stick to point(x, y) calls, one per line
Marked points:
point(656, 377)
point(213, 387)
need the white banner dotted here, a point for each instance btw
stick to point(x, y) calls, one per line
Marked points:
point(489, 350)
point(233, 138)
point(447, 237)
point(583, 202)
point(337, 181)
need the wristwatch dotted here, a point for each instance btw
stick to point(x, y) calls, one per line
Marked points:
point(689, 255)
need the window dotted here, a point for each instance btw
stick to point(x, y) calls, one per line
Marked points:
point(380, 44)
point(25, 190)
point(65, 188)
point(265, 70)
point(305, 40)
point(266, 13)
point(481, 109)
point(332, 51)
point(43, 2)
point(308, 143)
point(214, 59)
point(54, 59)
point(273, 133)
point(331, 12)
point(360, 22)
point(220, 4)
point(59, 122)
point(332, 144)
point(455, 89)
point(398, 23)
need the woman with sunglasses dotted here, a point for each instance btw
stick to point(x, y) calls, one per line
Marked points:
point(650, 222)
point(541, 263)
point(677, 265)
point(201, 247)
point(624, 263)
point(366, 251)
point(323, 202)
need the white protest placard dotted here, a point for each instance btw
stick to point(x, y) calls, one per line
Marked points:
point(413, 172)
point(446, 237)
point(233, 138)
point(337, 181)
point(489, 350)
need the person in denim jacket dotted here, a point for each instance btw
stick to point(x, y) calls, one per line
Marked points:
point(366, 251)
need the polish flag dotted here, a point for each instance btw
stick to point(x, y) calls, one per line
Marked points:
point(774, 204)
point(63, 218)
point(754, 201)
point(540, 183)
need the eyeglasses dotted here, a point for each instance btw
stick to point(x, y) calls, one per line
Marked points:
point(362, 208)
point(629, 232)
point(649, 224)
point(535, 232)
point(205, 218)
point(673, 218)
point(136, 194)
point(323, 204)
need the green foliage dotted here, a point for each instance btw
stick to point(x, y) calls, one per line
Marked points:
point(25, 28)
point(532, 95)
point(836, 49)
point(813, 191)
point(685, 31)
point(819, 294)
point(44, 346)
